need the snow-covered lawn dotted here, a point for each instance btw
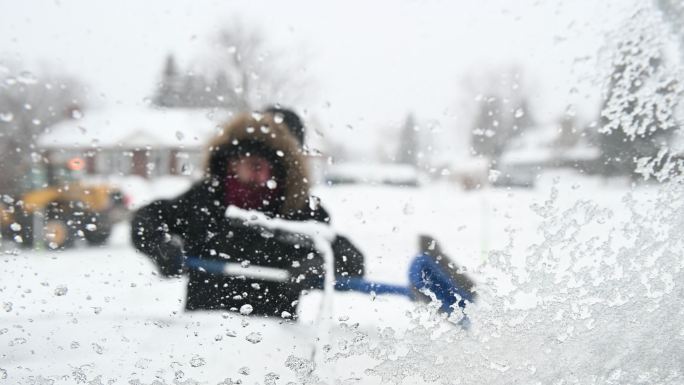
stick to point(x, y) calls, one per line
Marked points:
point(103, 316)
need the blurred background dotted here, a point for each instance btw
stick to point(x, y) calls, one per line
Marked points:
point(124, 96)
point(475, 95)
point(456, 118)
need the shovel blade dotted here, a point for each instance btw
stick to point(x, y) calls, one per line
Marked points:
point(433, 271)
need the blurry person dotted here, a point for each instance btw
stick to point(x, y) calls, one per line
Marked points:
point(255, 163)
point(290, 119)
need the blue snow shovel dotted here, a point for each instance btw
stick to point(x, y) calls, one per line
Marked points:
point(431, 271)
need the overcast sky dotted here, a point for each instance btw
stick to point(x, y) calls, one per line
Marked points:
point(370, 62)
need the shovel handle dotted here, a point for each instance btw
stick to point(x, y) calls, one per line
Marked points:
point(341, 283)
point(363, 286)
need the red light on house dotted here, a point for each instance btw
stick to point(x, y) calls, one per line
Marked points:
point(76, 164)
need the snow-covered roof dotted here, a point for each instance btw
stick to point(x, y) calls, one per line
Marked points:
point(528, 155)
point(134, 128)
point(545, 154)
point(540, 145)
point(372, 173)
point(537, 137)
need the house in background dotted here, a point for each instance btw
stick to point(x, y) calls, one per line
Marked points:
point(145, 142)
point(554, 145)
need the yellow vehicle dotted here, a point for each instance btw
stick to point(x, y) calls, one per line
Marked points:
point(62, 211)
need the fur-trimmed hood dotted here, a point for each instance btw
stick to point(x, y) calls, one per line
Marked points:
point(265, 132)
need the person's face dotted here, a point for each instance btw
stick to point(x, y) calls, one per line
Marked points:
point(251, 170)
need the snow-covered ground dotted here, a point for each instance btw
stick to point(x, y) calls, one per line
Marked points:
point(580, 282)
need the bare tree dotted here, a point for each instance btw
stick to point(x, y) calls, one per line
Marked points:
point(28, 105)
point(241, 72)
point(257, 72)
point(503, 112)
point(570, 131)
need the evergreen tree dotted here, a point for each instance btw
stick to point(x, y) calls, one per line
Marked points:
point(408, 143)
point(638, 112)
point(168, 91)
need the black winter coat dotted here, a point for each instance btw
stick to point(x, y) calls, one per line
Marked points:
point(194, 225)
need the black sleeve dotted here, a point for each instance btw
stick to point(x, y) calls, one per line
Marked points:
point(158, 230)
point(349, 260)
point(314, 212)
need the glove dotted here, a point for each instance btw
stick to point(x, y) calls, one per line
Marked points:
point(170, 257)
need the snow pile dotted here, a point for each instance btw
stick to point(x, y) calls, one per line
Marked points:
point(596, 299)
point(579, 285)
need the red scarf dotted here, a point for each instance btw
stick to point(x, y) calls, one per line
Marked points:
point(249, 196)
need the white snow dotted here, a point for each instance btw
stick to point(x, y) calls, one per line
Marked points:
point(118, 320)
